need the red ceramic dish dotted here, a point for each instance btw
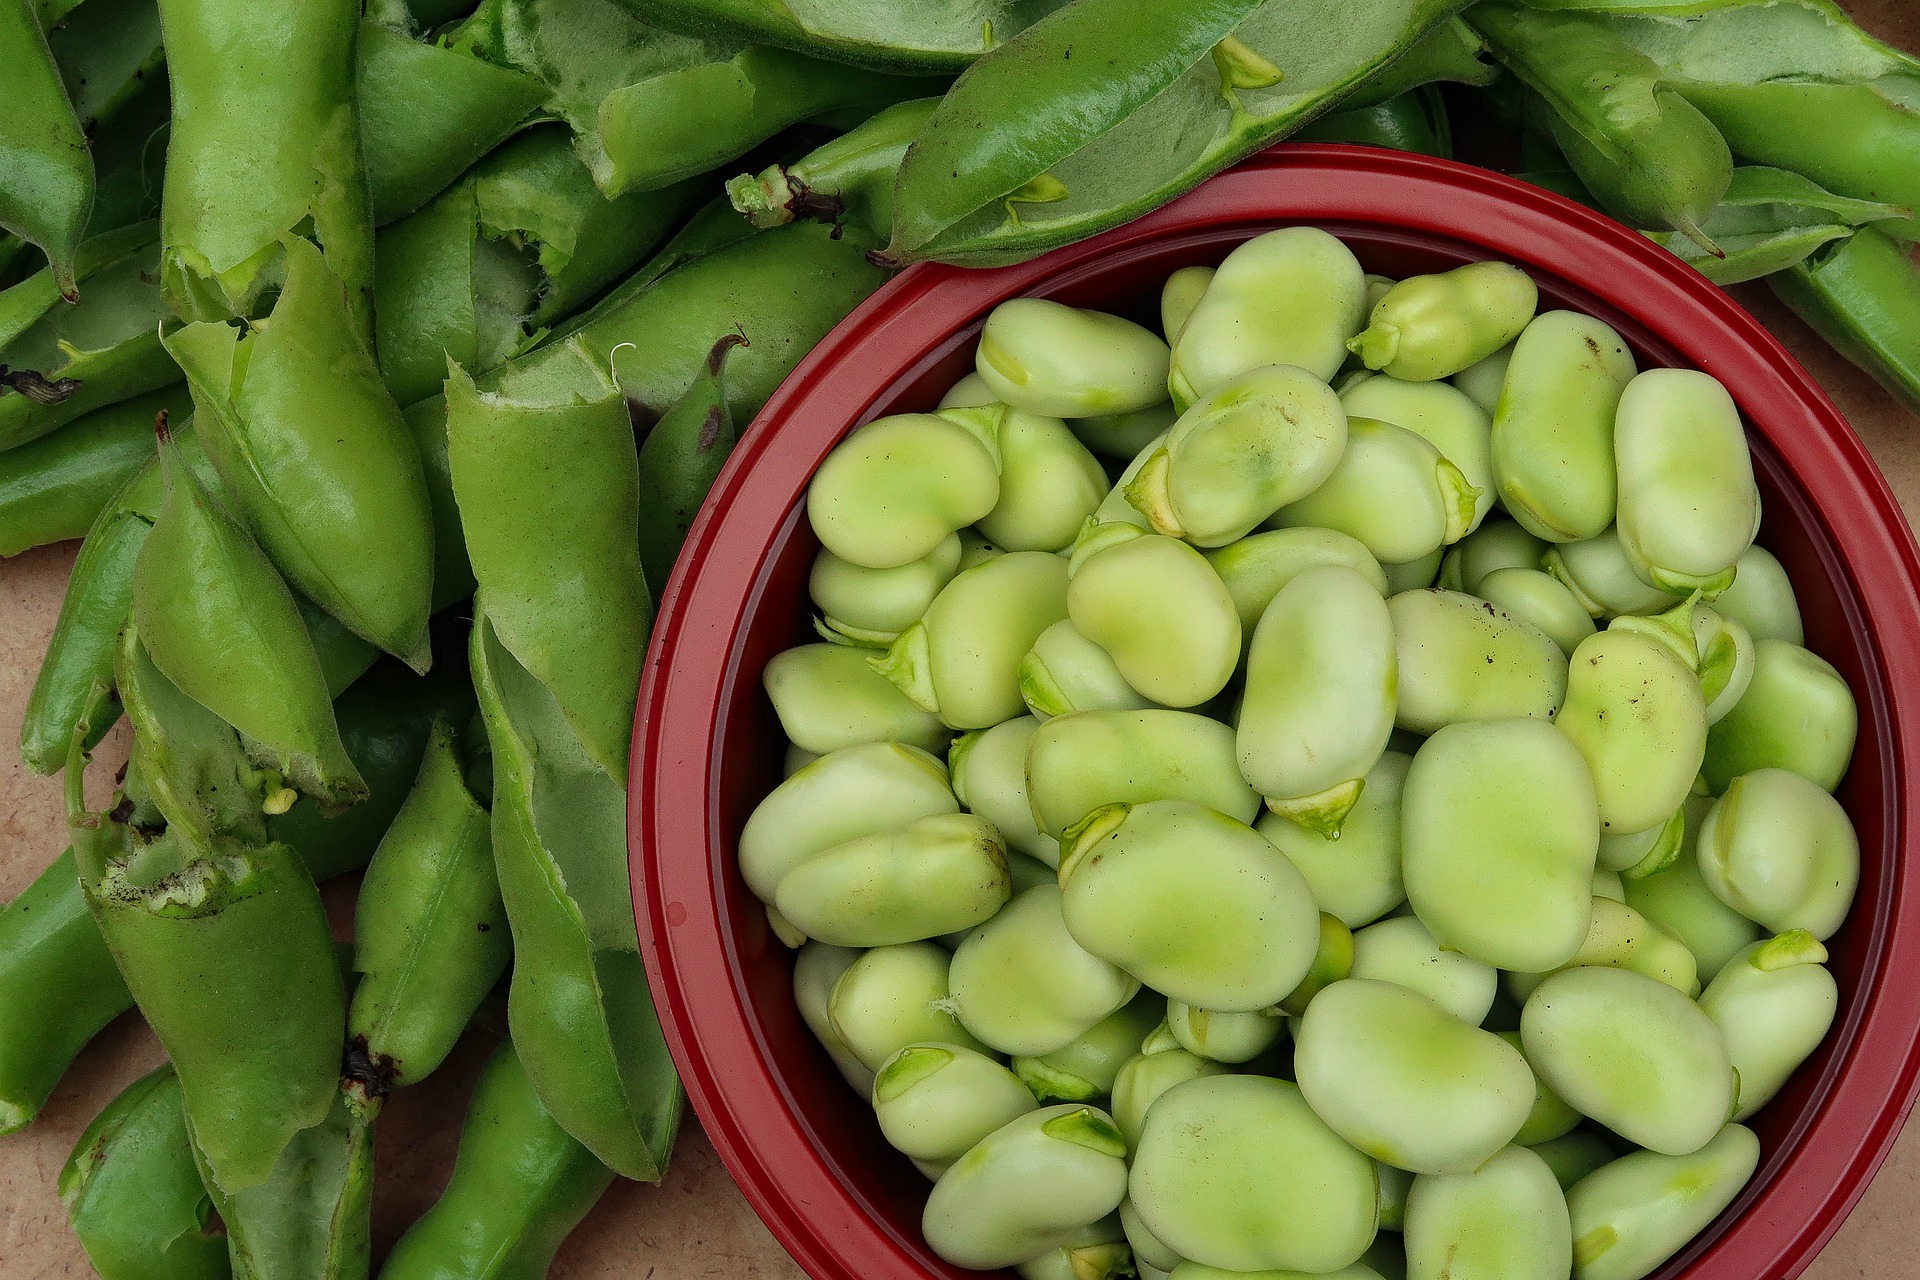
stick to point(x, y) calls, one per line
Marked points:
point(802, 1146)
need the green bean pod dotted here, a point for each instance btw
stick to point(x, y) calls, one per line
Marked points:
point(1079, 762)
point(679, 460)
point(311, 1217)
point(1414, 121)
point(1631, 1215)
point(578, 1005)
point(1771, 220)
point(1320, 693)
point(1402, 951)
point(1863, 296)
point(848, 179)
point(58, 988)
point(335, 497)
point(1158, 609)
point(1433, 326)
point(1636, 713)
point(46, 170)
point(1507, 1218)
point(1257, 566)
point(828, 696)
point(941, 41)
point(1193, 903)
point(935, 1102)
point(133, 1193)
point(1287, 297)
point(891, 997)
point(816, 969)
point(962, 661)
point(873, 606)
point(1774, 1003)
point(1621, 938)
point(558, 563)
point(1632, 1053)
point(895, 489)
point(1222, 1165)
point(1461, 659)
point(265, 143)
point(221, 625)
point(1553, 428)
point(1444, 416)
point(1087, 1067)
point(430, 934)
point(1481, 799)
point(1796, 714)
point(54, 488)
point(1392, 490)
point(1355, 875)
point(520, 1185)
point(1782, 852)
point(1023, 984)
point(1027, 1187)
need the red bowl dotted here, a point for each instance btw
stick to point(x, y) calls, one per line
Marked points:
point(803, 1147)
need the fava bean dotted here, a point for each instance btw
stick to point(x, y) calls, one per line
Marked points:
point(1402, 951)
point(1124, 435)
point(1774, 1002)
point(1414, 575)
point(1081, 761)
point(1445, 417)
point(1223, 1164)
point(1257, 566)
point(1481, 800)
point(1688, 507)
point(936, 1101)
point(1551, 1117)
point(935, 875)
point(1536, 597)
point(1761, 598)
point(1462, 659)
point(1796, 714)
point(1178, 297)
point(1726, 660)
point(1782, 852)
point(1637, 715)
point(1482, 380)
point(1506, 1220)
point(892, 997)
point(1288, 297)
point(1049, 485)
point(1405, 1081)
point(1622, 938)
point(1143, 1078)
point(1027, 1187)
point(1632, 1053)
point(1088, 1066)
point(1096, 1252)
point(1392, 490)
point(816, 970)
point(1433, 326)
point(894, 490)
point(1224, 1037)
point(1355, 875)
point(1159, 610)
point(1394, 1185)
point(1065, 671)
point(989, 768)
point(873, 606)
point(1633, 1214)
point(1320, 694)
point(1574, 1156)
point(1644, 852)
point(1679, 900)
point(1497, 544)
point(1146, 1246)
point(1553, 428)
point(1022, 982)
point(1065, 362)
point(828, 697)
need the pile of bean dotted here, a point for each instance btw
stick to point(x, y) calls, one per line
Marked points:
point(1403, 808)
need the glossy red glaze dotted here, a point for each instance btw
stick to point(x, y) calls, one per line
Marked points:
point(706, 747)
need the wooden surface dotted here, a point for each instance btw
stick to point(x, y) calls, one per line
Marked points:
point(695, 1224)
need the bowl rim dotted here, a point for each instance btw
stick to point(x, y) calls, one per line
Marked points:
point(673, 791)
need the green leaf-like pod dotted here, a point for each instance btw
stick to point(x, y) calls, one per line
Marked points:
point(840, 797)
point(1774, 1003)
point(1462, 659)
point(1480, 801)
point(1633, 1214)
point(1602, 579)
point(220, 624)
point(1430, 327)
point(1482, 381)
point(1393, 491)
point(1239, 453)
point(1288, 297)
point(429, 933)
point(1065, 671)
point(265, 143)
point(1769, 221)
point(1402, 951)
point(873, 606)
point(1637, 715)
point(891, 997)
point(1574, 1156)
point(1223, 1037)
point(1863, 296)
point(679, 461)
point(894, 490)
point(1782, 852)
point(1223, 1164)
point(520, 1184)
point(1027, 1187)
point(46, 168)
point(829, 697)
point(1159, 610)
point(1632, 1053)
point(936, 1101)
point(315, 458)
point(989, 768)
point(1257, 566)
point(936, 875)
point(816, 968)
point(54, 488)
point(1193, 903)
point(1553, 427)
point(547, 479)
point(1320, 693)
point(1407, 1082)
point(133, 1194)
point(847, 179)
point(1082, 761)
point(1356, 874)
point(1622, 938)
point(1507, 1219)
point(1144, 1077)
point(1679, 900)
point(1536, 597)
point(1444, 416)
point(578, 1006)
point(1688, 507)
point(1022, 982)
point(1087, 1067)
point(1797, 714)
point(1066, 362)
point(1761, 598)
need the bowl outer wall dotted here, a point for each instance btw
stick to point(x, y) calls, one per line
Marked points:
point(803, 1147)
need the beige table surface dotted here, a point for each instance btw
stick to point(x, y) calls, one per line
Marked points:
point(695, 1224)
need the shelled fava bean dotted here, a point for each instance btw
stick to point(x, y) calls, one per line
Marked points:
point(1065, 870)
